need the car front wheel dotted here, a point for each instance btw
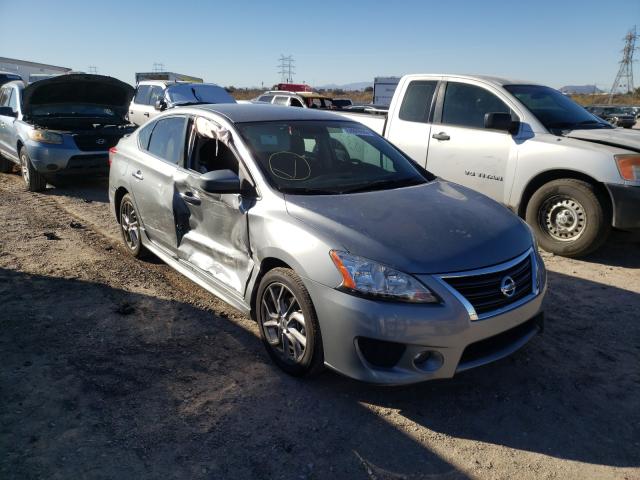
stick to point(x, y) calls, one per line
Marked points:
point(568, 217)
point(33, 180)
point(288, 324)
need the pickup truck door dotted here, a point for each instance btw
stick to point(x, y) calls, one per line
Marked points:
point(461, 149)
point(410, 127)
point(212, 228)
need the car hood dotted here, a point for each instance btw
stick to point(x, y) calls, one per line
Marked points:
point(615, 137)
point(78, 89)
point(437, 227)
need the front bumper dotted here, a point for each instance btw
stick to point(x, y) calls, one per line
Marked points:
point(66, 159)
point(626, 206)
point(445, 330)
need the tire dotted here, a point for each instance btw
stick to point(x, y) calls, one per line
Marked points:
point(301, 322)
point(130, 227)
point(6, 165)
point(33, 180)
point(568, 217)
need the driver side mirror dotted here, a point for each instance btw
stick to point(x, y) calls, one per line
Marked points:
point(161, 105)
point(8, 112)
point(500, 121)
point(219, 181)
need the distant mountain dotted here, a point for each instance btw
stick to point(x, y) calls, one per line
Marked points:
point(346, 86)
point(580, 89)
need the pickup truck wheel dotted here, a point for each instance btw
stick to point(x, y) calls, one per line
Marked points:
point(288, 324)
point(6, 165)
point(130, 227)
point(568, 217)
point(33, 180)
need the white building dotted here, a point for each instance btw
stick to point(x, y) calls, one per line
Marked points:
point(25, 68)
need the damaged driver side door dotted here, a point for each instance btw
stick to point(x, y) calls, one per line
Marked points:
point(212, 228)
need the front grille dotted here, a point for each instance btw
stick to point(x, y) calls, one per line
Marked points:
point(498, 344)
point(483, 291)
point(88, 162)
point(96, 142)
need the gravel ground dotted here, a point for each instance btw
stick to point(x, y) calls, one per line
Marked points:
point(119, 368)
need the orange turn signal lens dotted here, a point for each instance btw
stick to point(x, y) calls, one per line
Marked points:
point(628, 166)
point(347, 280)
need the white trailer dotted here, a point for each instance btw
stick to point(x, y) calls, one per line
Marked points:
point(26, 69)
point(383, 89)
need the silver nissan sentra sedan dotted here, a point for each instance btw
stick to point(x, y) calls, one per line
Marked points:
point(348, 254)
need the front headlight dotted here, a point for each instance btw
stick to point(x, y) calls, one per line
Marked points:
point(45, 136)
point(628, 166)
point(372, 279)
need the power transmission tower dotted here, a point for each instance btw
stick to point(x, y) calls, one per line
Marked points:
point(93, 69)
point(158, 67)
point(624, 78)
point(286, 68)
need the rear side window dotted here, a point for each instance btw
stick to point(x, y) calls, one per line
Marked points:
point(144, 135)
point(13, 100)
point(156, 94)
point(4, 97)
point(280, 101)
point(168, 139)
point(416, 104)
point(466, 105)
point(142, 95)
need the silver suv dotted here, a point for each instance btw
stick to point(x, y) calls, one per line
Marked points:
point(61, 126)
point(155, 96)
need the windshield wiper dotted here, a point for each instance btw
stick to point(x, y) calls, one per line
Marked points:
point(384, 184)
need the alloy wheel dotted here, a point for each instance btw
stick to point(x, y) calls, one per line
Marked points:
point(24, 167)
point(130, 225)
point(283, 322)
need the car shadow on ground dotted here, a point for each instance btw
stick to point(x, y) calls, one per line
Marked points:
point(101, 382)
point(572, 393)
point(621, 250)
point(87, 189)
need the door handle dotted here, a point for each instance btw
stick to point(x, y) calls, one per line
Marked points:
point(138, 175)
point(441, 136)
point(189, 197)
point(146, 114)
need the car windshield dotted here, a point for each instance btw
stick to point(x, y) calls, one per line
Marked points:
point(181, 94)
point(330, 157)
point(554, 110)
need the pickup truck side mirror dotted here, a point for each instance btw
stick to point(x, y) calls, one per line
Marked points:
point(161, 105)
point(500, 121)
point(219, 181)
point(8, 112)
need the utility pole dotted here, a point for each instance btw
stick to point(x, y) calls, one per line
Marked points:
point(624, 78)
point(286, 68)
point(93, 70)
point(158, 67)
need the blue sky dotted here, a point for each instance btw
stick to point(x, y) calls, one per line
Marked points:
point(238, 42)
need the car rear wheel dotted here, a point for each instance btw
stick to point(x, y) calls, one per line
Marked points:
point(288, 324)
point(568, 217)
point(130, 227)
point(33, 180)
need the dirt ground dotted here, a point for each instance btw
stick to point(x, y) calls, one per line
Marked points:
point(116, 368)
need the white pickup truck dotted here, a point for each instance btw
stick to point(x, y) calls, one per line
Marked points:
point(571, 175)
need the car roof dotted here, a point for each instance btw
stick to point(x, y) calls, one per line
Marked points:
point(244, 112)
point(497, 81)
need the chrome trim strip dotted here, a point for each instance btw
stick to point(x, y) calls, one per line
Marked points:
point(535, 288)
